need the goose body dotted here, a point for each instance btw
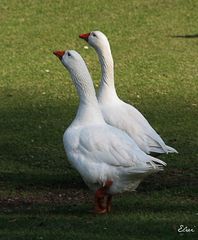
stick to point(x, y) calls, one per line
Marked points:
point(108, 160)
point(100, 152)
point(115, 111)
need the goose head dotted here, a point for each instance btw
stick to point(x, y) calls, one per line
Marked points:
point(96, 39)
point(80, 75)
point(72, 60)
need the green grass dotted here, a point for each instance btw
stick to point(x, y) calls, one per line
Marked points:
point(156, 72)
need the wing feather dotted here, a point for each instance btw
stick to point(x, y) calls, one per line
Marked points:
point(117, 149)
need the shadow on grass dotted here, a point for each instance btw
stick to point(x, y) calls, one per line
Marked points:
point(135, 203)
point(23, 181)
point(185, 36)
point(33, 152)
point(157, 182)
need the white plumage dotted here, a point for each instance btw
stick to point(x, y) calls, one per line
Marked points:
point(116, 112)
point(100, 152)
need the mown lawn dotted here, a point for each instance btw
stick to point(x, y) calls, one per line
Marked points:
point(41, 196)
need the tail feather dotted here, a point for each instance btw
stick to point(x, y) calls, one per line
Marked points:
point(158, 161)
point(152, 165)
point(157, 164)
point(157, 149)
point(158, 145)
point(171, 149)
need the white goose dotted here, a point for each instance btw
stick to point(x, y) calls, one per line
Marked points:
point(108, 160)
point(116, 112)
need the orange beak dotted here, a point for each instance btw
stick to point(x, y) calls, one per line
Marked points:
point(59, 54)
point(84, 36)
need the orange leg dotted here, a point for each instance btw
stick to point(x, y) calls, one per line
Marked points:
point(108, 184)
point(99, 201)
point(100, 195)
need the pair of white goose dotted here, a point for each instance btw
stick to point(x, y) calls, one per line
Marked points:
point(109, 141)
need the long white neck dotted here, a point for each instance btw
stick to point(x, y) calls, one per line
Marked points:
point(107, 87)
point(88, 110)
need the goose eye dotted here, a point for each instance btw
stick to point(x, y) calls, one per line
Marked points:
point(69, 54)
point(93, 34)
